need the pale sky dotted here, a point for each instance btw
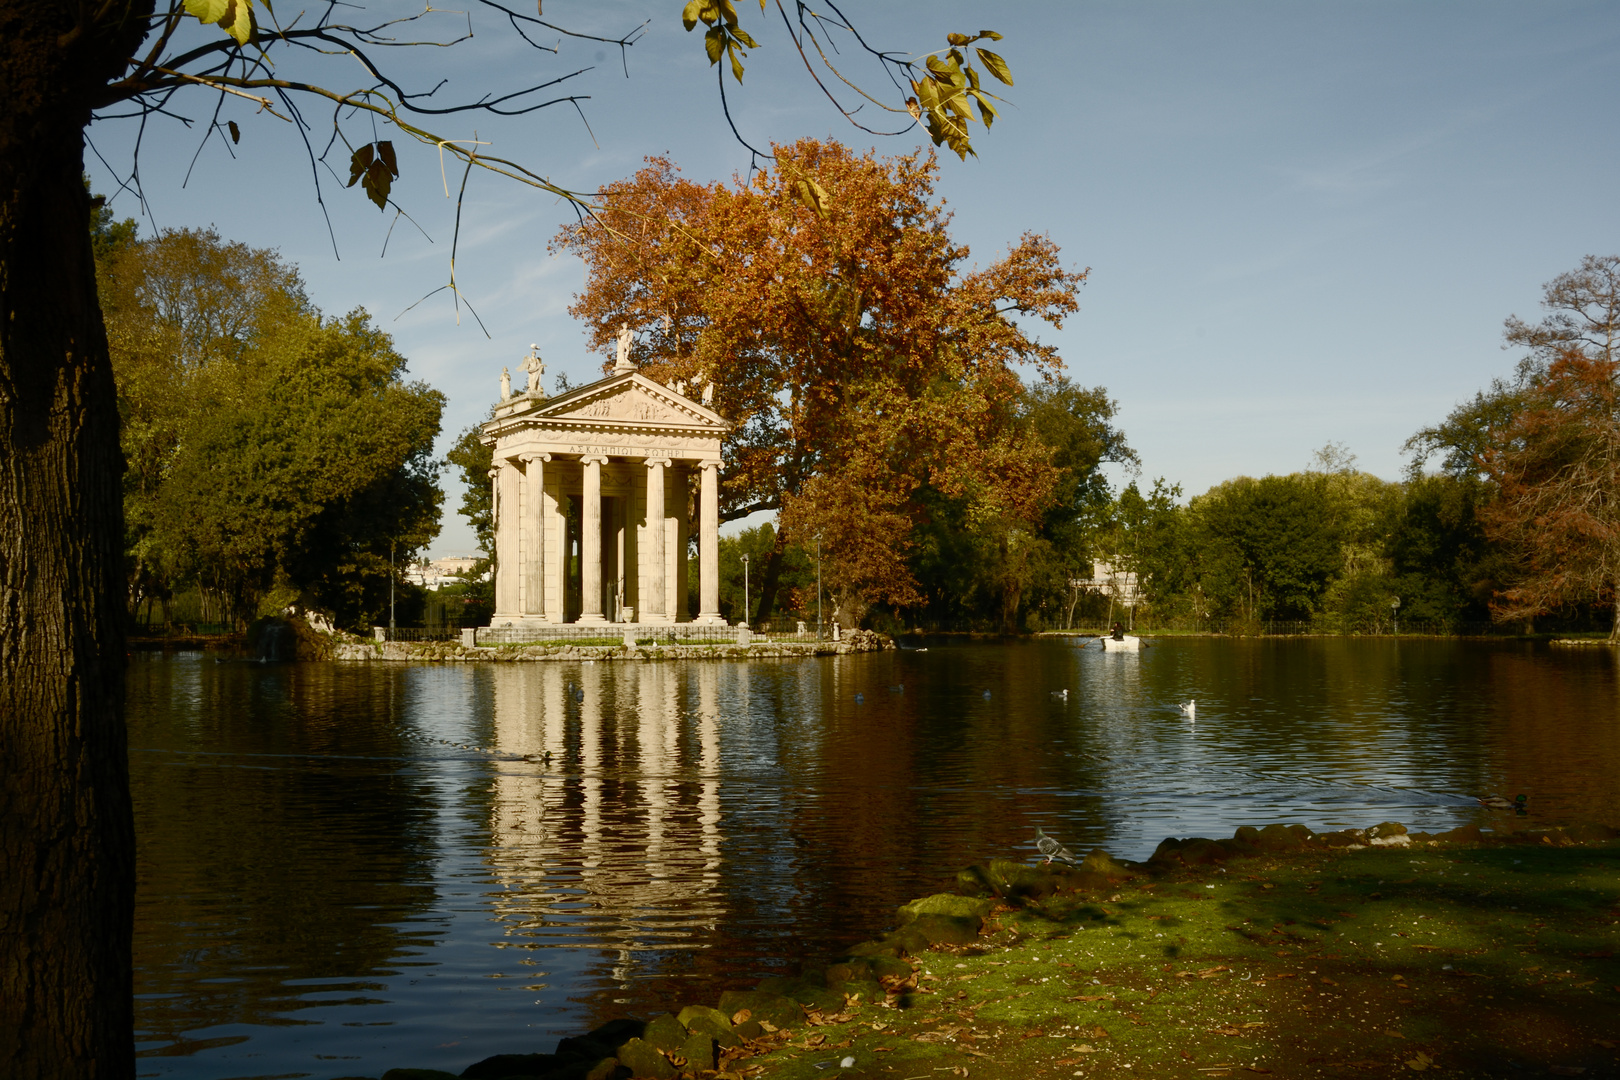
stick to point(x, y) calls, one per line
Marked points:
point(1304, 222)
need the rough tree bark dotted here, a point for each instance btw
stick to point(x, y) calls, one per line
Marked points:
point(67, 851)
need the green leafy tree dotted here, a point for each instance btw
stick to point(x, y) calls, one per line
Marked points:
point(1268, 547)
point(472, 460)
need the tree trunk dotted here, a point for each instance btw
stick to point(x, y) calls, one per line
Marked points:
point(67, 850)
point(773, 574)
point(1614, 630)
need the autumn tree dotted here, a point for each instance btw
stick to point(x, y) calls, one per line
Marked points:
point(1548, 441)
point(859, 354)
point(66, 832)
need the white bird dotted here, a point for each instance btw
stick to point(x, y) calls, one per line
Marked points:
point(1189, 709)
point(1062, 694)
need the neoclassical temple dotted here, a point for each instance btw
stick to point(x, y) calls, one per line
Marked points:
point(591, 492)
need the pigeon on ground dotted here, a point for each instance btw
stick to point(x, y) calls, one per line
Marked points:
point(1189, 709)
point(1498, 802)
point(1052, 849)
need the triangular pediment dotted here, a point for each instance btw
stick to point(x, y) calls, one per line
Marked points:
point(629, 399)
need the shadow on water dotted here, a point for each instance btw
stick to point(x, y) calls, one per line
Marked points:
point(349, 867)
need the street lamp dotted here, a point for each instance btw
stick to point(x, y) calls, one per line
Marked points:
point(1394, 615)
point(745, 589)
point(390, 588)
point(818, 588)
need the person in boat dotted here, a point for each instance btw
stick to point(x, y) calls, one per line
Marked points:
point(1119, 632)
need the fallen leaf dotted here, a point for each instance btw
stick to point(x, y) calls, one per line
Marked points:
point(1421, 1062)
point(1394, 1034)
point(1092, 997)
point(740, 1017)
point(1330, 982)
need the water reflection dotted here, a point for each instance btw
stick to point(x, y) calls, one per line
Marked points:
point(346, 868)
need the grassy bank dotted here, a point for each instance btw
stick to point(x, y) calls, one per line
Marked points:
point(1277, 952)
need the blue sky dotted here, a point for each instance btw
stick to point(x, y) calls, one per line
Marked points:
point(1304, 222)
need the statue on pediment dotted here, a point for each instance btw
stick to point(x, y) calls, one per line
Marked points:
point(626, 336)
point(536, 367)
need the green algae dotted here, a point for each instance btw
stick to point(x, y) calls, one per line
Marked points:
point(1321, 961)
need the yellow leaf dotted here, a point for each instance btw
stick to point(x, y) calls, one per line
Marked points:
point(235, 17)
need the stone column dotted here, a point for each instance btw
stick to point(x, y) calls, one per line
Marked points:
point(653, 607)
point(507, 568)
point(534, 534)
point(709, 546)
point(590, 543)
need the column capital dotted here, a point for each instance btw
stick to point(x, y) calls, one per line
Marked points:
point(494, 471)
point(599, 459)
point(659, 461)
point(711, 463)
point(528, 458)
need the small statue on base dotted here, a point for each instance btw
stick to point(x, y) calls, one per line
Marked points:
point(506, 384)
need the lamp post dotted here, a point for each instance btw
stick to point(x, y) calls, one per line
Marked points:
point(745, 589)
point(390, 588)
point(818, 588)
point(1394, 615)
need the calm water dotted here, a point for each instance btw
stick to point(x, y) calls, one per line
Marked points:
point(346, 868)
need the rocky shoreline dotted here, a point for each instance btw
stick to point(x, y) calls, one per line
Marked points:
point(355, 650)
point(982, 980)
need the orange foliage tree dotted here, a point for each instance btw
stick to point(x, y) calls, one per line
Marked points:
point(858, 354)
point(1549, 443)
point(1557, 470)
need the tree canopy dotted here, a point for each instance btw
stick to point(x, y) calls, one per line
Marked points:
point(1548, 445)
point(270, 449)
point(858, 353)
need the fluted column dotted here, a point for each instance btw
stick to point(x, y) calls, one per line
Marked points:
point(534, 534)
point(590, 544)
point(709, 546)
point(507, 569)
point(653, 606)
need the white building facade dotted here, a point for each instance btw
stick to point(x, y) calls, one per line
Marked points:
point(591, 493)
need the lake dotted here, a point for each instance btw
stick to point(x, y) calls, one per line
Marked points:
point(346, 868)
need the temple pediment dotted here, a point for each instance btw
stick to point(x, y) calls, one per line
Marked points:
point(633, 400)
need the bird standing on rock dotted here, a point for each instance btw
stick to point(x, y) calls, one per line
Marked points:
point(1052, 849)
point(1497, 802)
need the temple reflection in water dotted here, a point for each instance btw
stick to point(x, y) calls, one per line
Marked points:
point(620, 829)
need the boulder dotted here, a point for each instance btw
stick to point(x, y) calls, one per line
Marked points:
point(761, 1005)
point(1198, 851)
point(946, 929)
point(1100, 862)
point(1386, 830)
point(666, 1033)
point(961, 907)
point(504, 1065)
point(701, 1052)
point(1462, 834)
point(813, 995)
point(643, 1059)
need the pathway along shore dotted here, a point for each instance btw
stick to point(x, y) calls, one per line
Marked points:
point(1278, 952)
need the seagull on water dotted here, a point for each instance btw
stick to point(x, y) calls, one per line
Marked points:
point(1052, 849)
point(1062, 695)
point(1189, 709)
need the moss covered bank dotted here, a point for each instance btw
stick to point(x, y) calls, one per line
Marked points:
point(1279, 951)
